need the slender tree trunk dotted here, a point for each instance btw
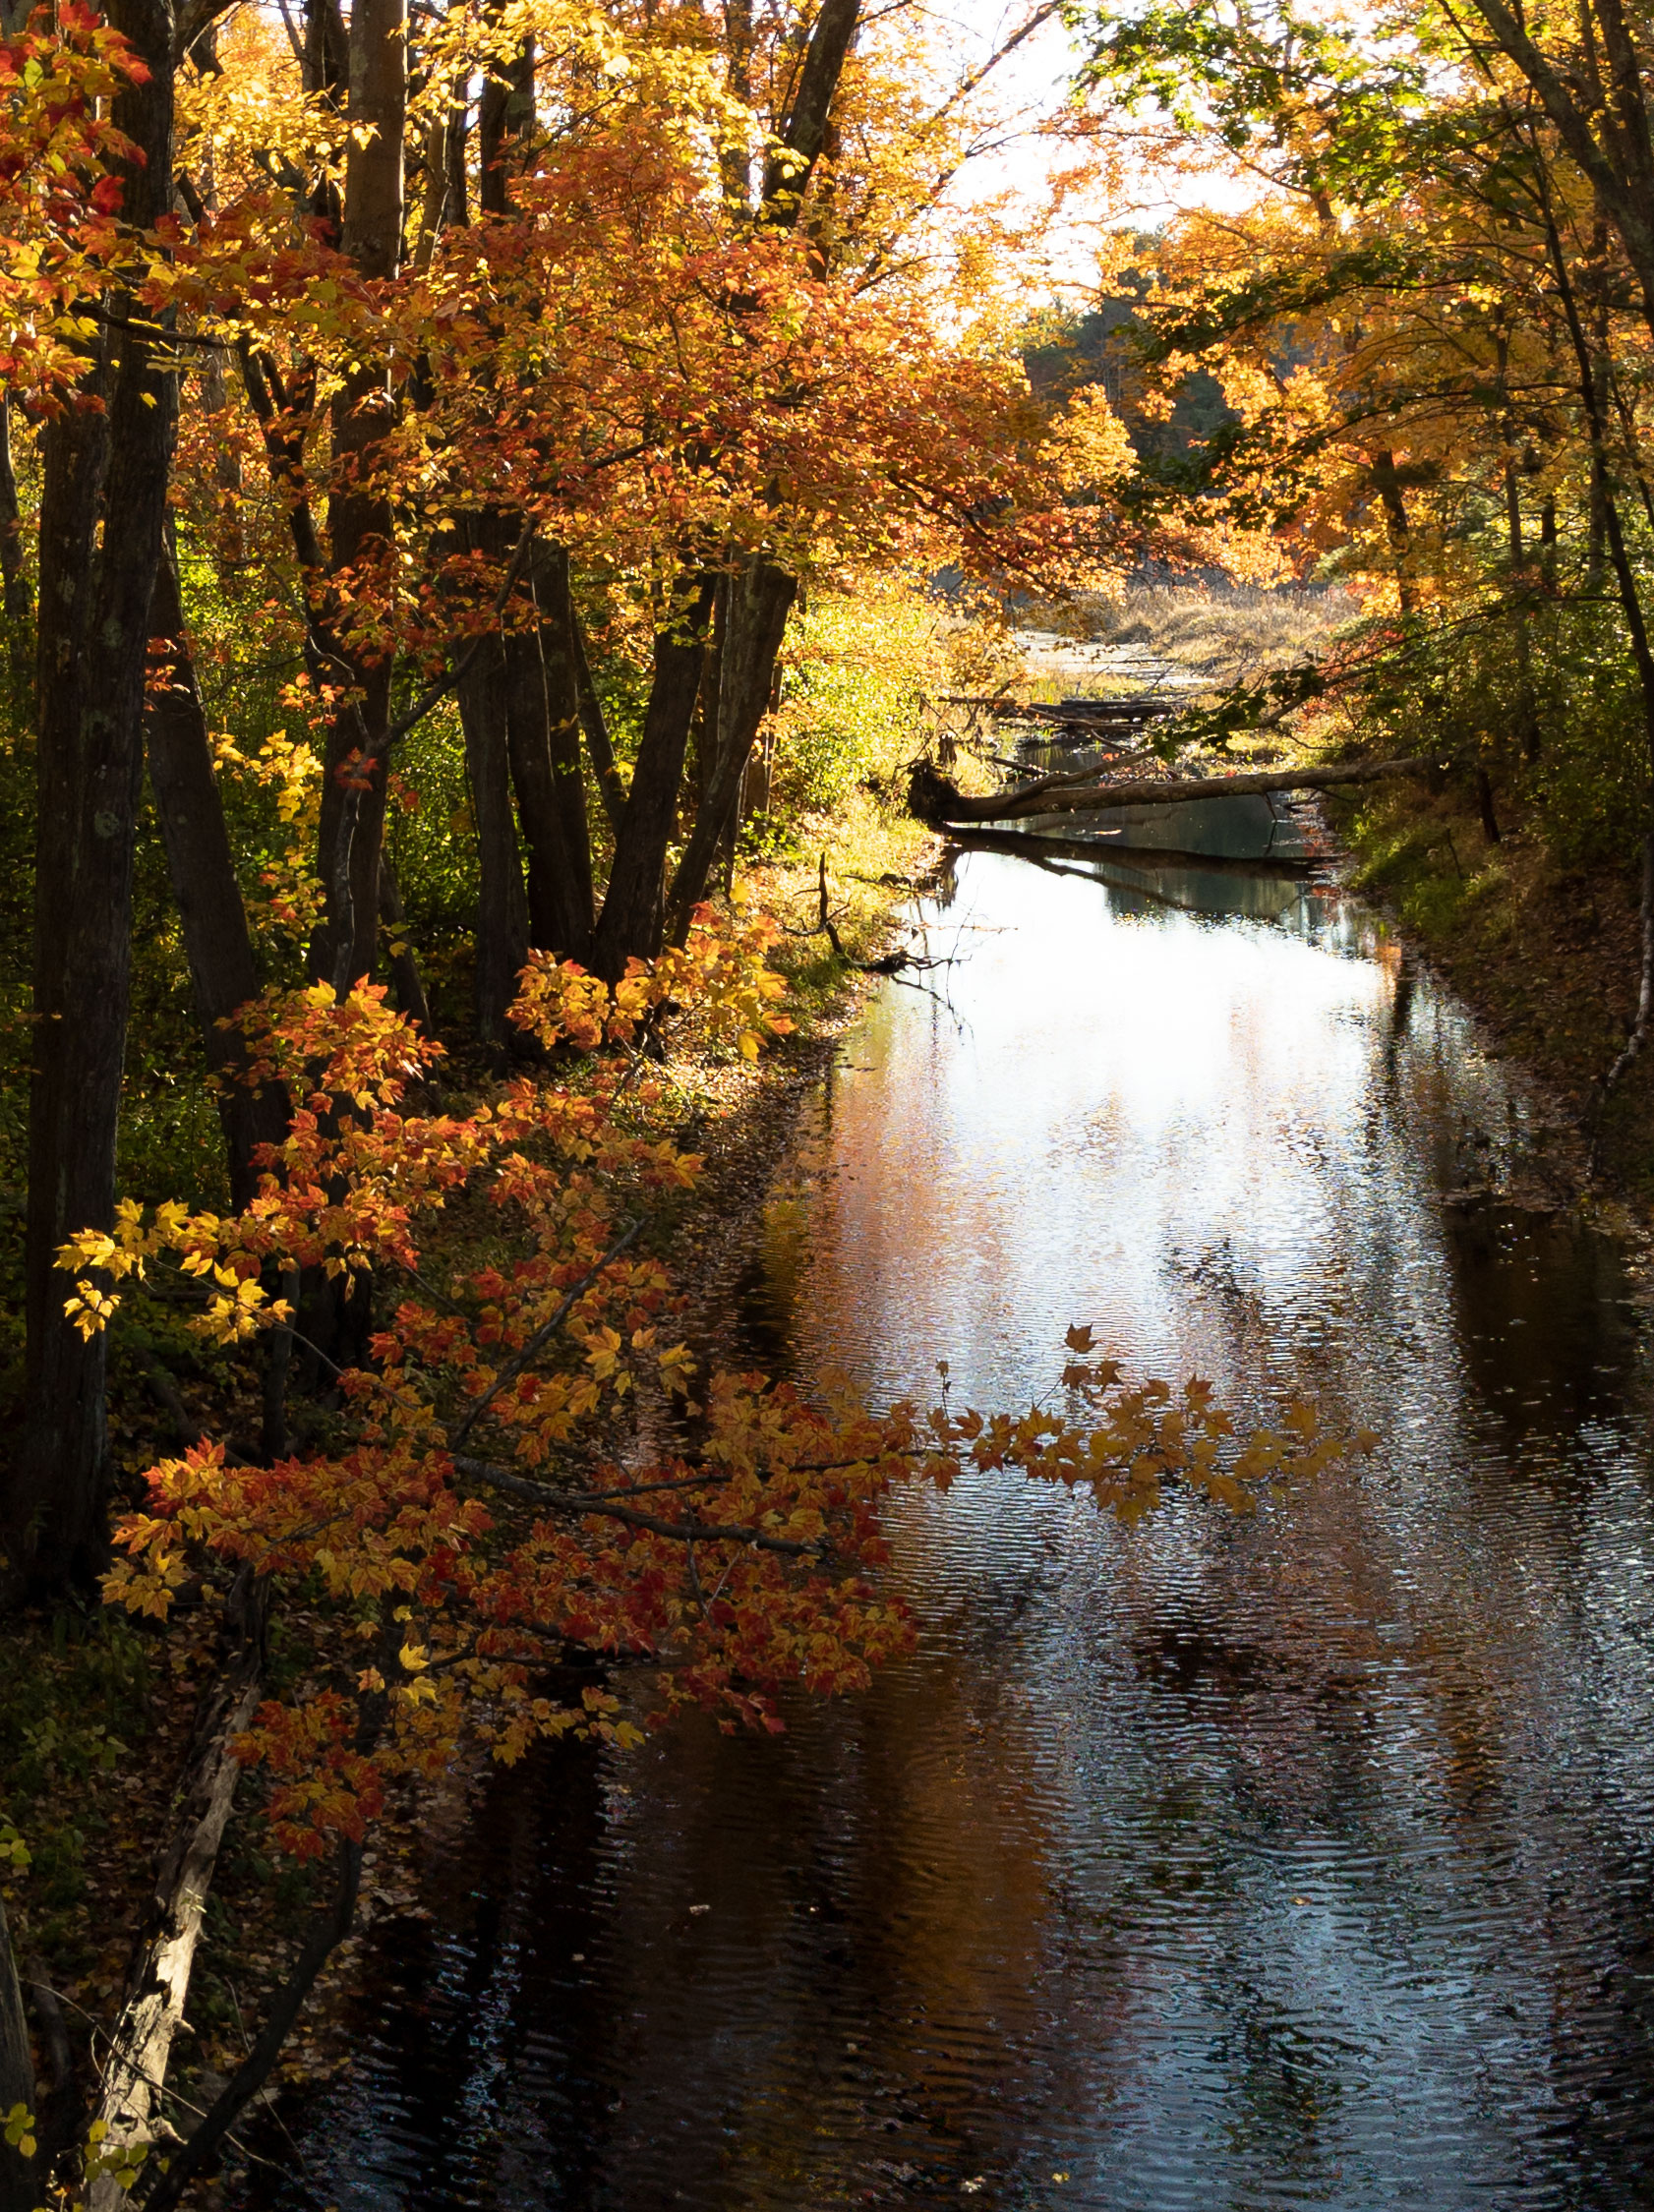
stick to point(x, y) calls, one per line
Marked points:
point(759, 598)
point(501, 930)
point(1633, 1045)
point(361, 524)
point(1643, 652)
point(611, 787)
point(446, 195)
point(158, 1983)
point(23, 2186)
point(1485, 806)
point(407, 986)
point(327, 1931)
point(16, 599)
point(632, 908)
point(217, 945)
point(1387, 484)
point(633, 916)
point(1527, 710)
point(505, 111)
point(543, 735)
point(104, 504)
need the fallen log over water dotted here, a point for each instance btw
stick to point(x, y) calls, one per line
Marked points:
point(1147, 860)
point(933, 798)
point(1074, 710)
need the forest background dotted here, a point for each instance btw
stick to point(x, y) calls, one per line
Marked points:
point(488, 494)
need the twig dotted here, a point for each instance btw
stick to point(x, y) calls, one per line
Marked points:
point(435, 693)
point(597, 1503)
point(509, 1372)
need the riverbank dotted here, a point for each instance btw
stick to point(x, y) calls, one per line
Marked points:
point(1182, 1863)
point(1546, 956)
point(96, 1712)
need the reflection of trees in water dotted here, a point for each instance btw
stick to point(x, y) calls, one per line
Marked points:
point(1544, 1323)
point(1046, 1878)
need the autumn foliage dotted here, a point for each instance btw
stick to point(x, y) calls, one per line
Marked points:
point(533, 1502)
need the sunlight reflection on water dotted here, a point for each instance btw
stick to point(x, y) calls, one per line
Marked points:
point(1303, 1860)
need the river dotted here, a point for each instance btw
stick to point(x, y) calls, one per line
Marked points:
point(1302, 1859)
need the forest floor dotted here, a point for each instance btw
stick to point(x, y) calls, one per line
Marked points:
point(97, 1714)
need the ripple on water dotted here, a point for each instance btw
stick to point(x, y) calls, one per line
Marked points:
point(1301, 1860)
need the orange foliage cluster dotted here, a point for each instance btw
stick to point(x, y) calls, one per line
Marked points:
point(59, 199)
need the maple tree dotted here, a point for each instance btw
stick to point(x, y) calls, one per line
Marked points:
point(470, 324)
point(494, 1539)
point(515, 368)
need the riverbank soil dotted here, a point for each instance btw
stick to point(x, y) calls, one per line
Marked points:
point(96, 1712)
point(1546, 956)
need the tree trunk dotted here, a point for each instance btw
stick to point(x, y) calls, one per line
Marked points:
point(1387, 484)
point(407, 987)
point(633, 914)
point(632, 908)
point(16, 599)
point(361, 523)
point(609, 784)
point(223, 972)
point(327, 1931)
point(1631, 1051)
point(543, 737)
point(505, 111)
point(1485, 806)
point(791, 163)
point(22, 2183)
point(104, 504)
point(501, 932)
point(759, 601)
point(1604, 128)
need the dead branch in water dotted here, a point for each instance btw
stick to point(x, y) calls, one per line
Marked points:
point(932, 798)
point(899, 963)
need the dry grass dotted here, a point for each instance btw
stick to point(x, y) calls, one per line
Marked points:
point(1227, 635)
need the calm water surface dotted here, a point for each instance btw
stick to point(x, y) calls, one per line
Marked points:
point(1302, 1860)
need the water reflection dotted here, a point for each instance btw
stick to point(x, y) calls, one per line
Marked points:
point(1301, 1860)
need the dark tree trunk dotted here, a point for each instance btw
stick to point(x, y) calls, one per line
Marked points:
point(1602, 124)
point(791, 164)
point(361, 524)
point(16, 599)
point(632, 914)
point(505, 111)
point(216, 941)
point(501, 932)
point(543, 729)
point(1387, 484)
point(759, 599)
point(1485, 806)
point(104, 504)
point(633, 918)
point(22, 2183)
point(344, 948)
point(611, 787)
point(407, 987)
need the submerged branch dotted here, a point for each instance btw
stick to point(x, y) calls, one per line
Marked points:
point(933, 798)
